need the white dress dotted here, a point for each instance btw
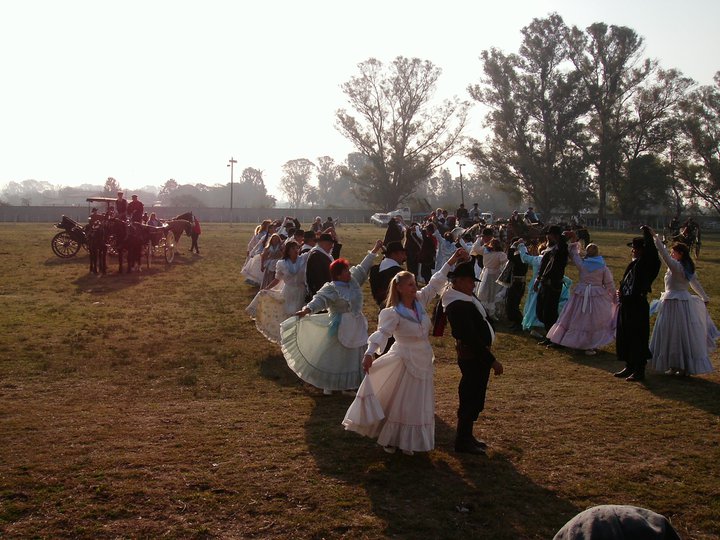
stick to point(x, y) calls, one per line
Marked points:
point(252, 269)
point(396, 401)
point(271, 307)
point(684, 334)
point(326, 349)
point(489, 292)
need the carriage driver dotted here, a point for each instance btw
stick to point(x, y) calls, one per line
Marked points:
point(135, 209)
point(121, 206)
point(95, 217)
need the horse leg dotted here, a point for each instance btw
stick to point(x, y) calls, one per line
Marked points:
point(102, 256)
point(93, 259)
point(120, 258)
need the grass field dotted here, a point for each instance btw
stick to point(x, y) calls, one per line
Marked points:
point(147, 405)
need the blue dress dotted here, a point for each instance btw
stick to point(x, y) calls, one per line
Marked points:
point(326, 349)
point(530, 319)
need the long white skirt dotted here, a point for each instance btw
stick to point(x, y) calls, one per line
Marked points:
point(252, 272)
point(683, 336)
point(312, 350)
point(396, 401)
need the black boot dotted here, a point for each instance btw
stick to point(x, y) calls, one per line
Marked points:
point(638, 375)
point(624, 373)
point(464, 441)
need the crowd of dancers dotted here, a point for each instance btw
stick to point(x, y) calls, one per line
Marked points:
point(310, 303)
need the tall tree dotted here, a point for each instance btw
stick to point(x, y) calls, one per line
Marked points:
point(296, 179)
point(645, 184)
point(535, 112)
point(700, 170)
point(397, 128)
point(111, 187)
point(611, 71)
point(251, 189)
point(327, 174)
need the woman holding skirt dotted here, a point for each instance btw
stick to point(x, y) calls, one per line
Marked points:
point(396, 400)
point(684, 335)
point(588, 320)
point(284, 295)
point(326, 349)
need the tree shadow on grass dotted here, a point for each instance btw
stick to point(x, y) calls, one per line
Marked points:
point(440, 494)
point(697, 392)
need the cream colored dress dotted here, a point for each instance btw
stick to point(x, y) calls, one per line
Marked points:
point(396, 401)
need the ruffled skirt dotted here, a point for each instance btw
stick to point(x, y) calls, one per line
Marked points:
point(591, 328)
point(312, 350)
point(252, 271)
point(683, 336)
point(530, 319)
point(489, 292)
point(396, 402)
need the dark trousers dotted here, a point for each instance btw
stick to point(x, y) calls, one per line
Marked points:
point(548, 300)
point(194, 246)
point(633, 332)
point(427, 271)
point(473, 386)
point(512, 301)
point(412, 264)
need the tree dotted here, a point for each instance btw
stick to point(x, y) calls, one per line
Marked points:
point(327, 175)
point(394, 125)
point(700, 124)
point(295, 180)
point(312, 195)
point(646, 182)
point(111, 187)
point(167, 188)
point(251, 189)
point(608, 62)
point(535, 117)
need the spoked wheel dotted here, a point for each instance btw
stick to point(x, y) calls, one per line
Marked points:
point(169, 248)
point(64, 245)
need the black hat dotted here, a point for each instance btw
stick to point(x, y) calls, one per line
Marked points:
point(466, 269)
point(554, 229)
point(309, 235)
point(393, 247)
point(638, 242)
point(326, 237)
point(488, 231)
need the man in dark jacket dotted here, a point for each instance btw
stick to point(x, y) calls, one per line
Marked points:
point(633, 323)
point(474, 336)
point(516, 290)
point(549, 280)
point(413, 243)
point(318, 265)
point(381, 274)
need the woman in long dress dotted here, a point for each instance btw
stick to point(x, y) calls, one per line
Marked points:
point(283, 296)
point(530, 321)
point(252, 269)
point(684, 334)
point(396, 400)
point(489, 292)
point(588, 320)
point(326, 349)
point(268, 260)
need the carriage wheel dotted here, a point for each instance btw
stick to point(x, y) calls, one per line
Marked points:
point(169, 248)
point(64, 245)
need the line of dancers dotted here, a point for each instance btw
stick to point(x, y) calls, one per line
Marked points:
point(310, 303)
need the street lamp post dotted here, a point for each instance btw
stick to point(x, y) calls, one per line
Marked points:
point(462, 192)
point(230, 164)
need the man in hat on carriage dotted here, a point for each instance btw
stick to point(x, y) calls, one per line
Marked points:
point(633, 322)
point(474, 337)
point(121, 206)
point(135, 210)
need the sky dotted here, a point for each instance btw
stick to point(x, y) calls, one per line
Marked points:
point(149, 90)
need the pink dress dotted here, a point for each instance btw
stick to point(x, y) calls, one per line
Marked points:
point(588, 319)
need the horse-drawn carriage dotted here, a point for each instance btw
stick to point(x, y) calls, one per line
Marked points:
point(108, 234)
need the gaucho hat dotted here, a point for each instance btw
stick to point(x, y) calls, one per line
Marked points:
point(393, 247)
point(466, 269)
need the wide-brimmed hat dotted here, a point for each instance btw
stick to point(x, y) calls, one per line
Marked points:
point(309, 235)
point(466, 269)
point(393, 247)
point(554, 229)
point(638, 242)
point(325, 237)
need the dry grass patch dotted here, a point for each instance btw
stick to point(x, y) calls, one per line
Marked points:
point(148, 405)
